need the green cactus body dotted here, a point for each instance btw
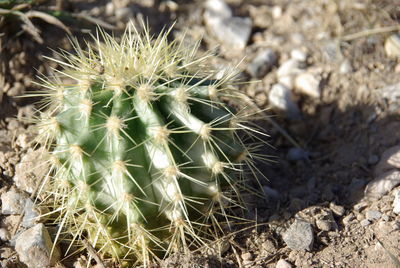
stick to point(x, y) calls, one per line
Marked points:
point(142, 146)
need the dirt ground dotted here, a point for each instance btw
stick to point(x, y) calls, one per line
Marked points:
point(342, 133)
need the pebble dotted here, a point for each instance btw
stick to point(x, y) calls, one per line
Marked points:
point(307, 84)
point(27, 173)
point(280, 97)
point(299, 236)
point(390, 159)
point(365, 222)
point(271, 194)
point(396, 202)
point(247, 256)
point(346, 220)
point(336, 209)
point(232, 32)
point(385, 217)
point(325, 225)
point(4, 234)
point(346, 67)
point(13, 202)
point(31, 214)
point(298, 154)
point(392, 46)
point(218, 8)
point(372, 214)
point(392, 94)
point(123, 13)
point(262, 63)
point(373, 159)
point(382, 184)
point(289, 67)
point(298, 54)
point(34, 247)
point(283, 264)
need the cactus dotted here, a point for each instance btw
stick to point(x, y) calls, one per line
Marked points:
point(145, 147)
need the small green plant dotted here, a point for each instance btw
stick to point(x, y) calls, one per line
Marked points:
point(146, 149)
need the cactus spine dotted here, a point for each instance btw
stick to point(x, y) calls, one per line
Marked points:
point(144, 151)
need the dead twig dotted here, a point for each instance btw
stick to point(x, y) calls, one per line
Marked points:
point(92, 252)
point(369, 32)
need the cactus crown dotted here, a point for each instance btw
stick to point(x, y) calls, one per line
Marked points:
point(144, 150)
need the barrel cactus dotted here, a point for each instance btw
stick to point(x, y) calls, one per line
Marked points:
point(145, 146)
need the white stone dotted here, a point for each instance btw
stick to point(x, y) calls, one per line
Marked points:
point(283, 264)
point(298, 54)
point(13, 202)
point(307, 84)
point(218, 8)
point(35, 248)
point(396, 202)
point(289, 67)
point(392, 46)
point(280, 97)
point(299, 236)
point(382, 184)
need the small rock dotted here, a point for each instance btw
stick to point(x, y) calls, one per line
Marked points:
point(34, 247)
point(218, 8)
point(298, 54)
point(283, 264)
point(307, 84)
point(247, 256)
point(22, 141)
point(4, 234)
point(396, 202)
point(232, 32)
point(28, 173)
point(346, 220)
point(298, 154)
point(280, 97)
point(382, 184)
point(392, 46)
point(325, 225)
point(123, 13)
point(13, 202)
point(299, 236)
point(392, 94)
point(331, 51)
point(31, 214)
point(365, 222)
point(336, 209)
point(373, 159)
point(261, 99)
point(390, 159)
point(276, 12)
point(271, 193)
point(372, 215)
point(385, 217)
point(360, 206)
point(289, 67)
point(262, 63)
point(346, 67)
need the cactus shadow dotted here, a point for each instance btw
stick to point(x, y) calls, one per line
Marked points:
point(340, 148)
